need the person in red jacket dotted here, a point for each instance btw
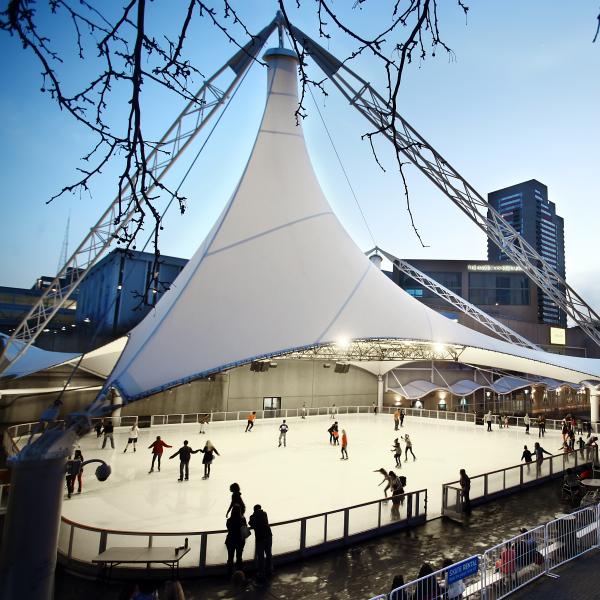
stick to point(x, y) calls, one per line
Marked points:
point(157, 451)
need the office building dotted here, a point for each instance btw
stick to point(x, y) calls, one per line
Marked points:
point(527, 208)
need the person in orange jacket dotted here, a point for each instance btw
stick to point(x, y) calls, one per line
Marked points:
point(157, 451)
point(250, 423)
point(344, 445)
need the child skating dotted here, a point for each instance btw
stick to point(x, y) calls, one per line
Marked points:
point(397, 450)
point(408, 448)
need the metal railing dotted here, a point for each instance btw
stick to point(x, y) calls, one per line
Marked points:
point(488, 486)
point(509, 566)
point(78, 544)
point(15, 435)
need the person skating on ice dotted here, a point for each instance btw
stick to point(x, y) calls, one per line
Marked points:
point(489, 419)
point(303, 411)
point(408, 448)
point(526, 456)
point(209, 455)
point(203, 421)
point(336, 437)
point(79, 477)
point(344, 445)
point(250, 423)
point(236, 499)
point(134, 433)
point(539, 457)
point(402, 415)
point(283, 429)
point(98, 427)
point(184, 453)
point(157, 451)
point(333, 411)
point(396, 419)
point(108, 430)
point(333, 428)
point(386, 480)
point(527, 421)
point(73, 471)
point(397, 450)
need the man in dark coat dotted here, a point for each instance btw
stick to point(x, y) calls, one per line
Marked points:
point(259, 521)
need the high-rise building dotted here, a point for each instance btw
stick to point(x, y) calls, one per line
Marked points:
point(527, 208)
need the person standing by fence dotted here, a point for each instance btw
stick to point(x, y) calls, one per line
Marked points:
point(263, 537)
point(236, 539)
point(465, 487)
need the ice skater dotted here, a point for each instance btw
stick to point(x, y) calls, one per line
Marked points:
point(236, 499)
point(375, 408)
point(184, 453)
point(98, 427)
point(203, 420)
point(333, 428)
point(408, 448)
point(402, 415)
point(489, 419)
point(396, 419)
point(250, 423)
point(397, 495)
point(386, 480)
point(344, 445)
point(539, 457)
point(157, 448)
point(465, 487)
point(73, 471)
point(283, 429)
point(134, 432)
point(303, 411)
point(397, 450)
point(333, 411)
point(336, 437)
point(581, 444)
point(541, 426)
point(527, 421)
point(526, 456)
point(108, 430)
point(209, 455)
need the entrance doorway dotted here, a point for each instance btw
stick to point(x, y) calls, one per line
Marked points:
point(271, 406)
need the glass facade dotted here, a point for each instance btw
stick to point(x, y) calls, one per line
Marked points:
point(499, 288)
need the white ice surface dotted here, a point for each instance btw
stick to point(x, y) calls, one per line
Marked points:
point(305, 478)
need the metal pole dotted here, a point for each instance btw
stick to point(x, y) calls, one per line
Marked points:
point(28, 553)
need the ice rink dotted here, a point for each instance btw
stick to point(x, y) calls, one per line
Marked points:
point(304, 478)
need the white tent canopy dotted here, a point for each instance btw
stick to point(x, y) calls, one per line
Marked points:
point(278, 272)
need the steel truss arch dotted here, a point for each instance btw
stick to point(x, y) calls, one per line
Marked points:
point(205, 104)
point(478, 315)
point(362, 96)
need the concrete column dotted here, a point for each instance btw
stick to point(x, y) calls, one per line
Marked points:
point(379, 392)
point(594, 405)
point(28, 553)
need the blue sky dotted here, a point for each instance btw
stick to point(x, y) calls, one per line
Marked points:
point(520, 101)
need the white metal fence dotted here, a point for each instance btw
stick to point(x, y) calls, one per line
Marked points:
point(487, 486)
point(78, 544)
point(507, 567)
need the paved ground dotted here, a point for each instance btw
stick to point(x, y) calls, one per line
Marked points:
point(578, 580)
point(368, 569)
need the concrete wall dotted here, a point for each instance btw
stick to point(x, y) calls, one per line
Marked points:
point(296, 382)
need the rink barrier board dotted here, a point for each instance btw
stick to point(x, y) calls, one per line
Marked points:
point(487, 487)
point(293, 539)
point(507, 567)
